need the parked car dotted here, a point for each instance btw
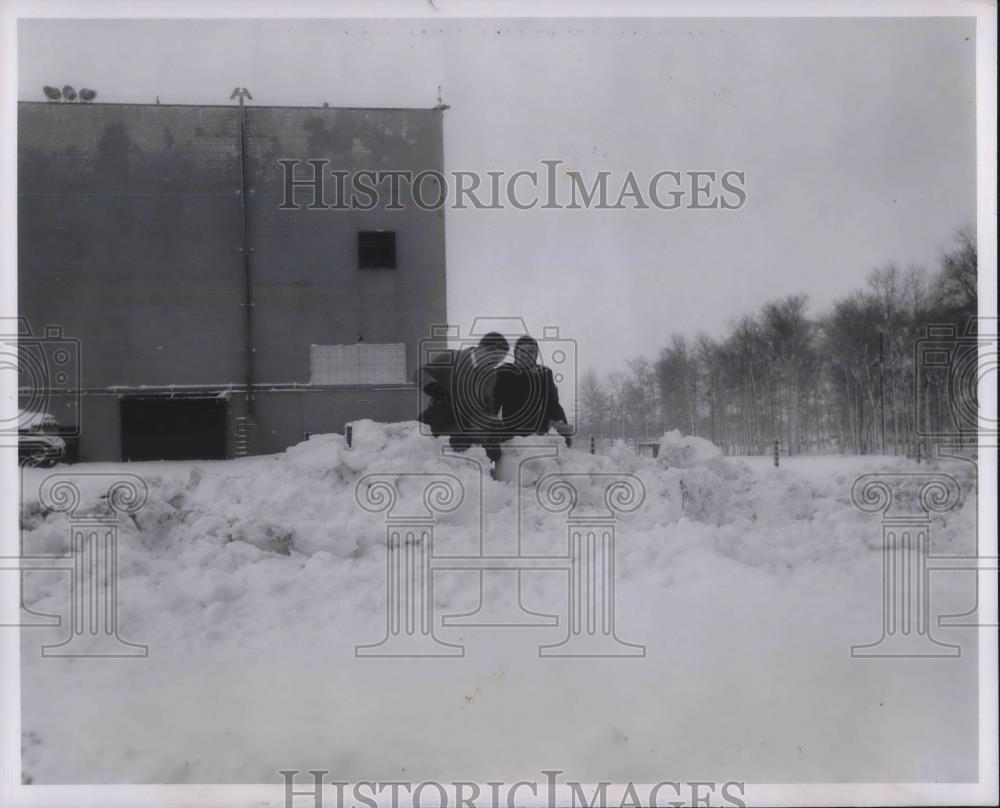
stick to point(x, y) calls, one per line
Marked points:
point(38, 441)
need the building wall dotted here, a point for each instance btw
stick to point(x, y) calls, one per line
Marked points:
point(283, 417)
point(130, 238)
point(307, 285)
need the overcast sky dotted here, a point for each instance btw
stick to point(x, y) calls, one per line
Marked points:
point(857, 138)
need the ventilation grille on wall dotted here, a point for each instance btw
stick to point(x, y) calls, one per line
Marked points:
point(360, 363)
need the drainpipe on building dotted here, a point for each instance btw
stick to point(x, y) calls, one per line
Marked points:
point(242, 93)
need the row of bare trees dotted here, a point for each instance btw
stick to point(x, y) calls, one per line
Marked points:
point(850, 381)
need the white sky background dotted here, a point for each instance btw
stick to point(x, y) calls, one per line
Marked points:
point(857, 137)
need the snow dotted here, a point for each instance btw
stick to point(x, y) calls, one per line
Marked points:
point(31, 420)
point(253, 580)
point(690, 451)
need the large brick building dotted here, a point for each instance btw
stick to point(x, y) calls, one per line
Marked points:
point(133, 223)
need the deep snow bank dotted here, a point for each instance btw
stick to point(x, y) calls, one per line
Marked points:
point(304, 500)
point(253, 580)
point(213, 540)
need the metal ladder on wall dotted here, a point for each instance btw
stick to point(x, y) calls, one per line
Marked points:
point(241, 447)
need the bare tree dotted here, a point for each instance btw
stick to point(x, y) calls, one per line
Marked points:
point(594, 404)
point(848, 379)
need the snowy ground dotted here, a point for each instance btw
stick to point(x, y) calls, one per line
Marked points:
point(252, 581)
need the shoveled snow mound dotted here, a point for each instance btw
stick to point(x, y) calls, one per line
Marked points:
point(305, 500)
point(689, 451)
point(252, 581)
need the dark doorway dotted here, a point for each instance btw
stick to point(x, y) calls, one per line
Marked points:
point(173, 428)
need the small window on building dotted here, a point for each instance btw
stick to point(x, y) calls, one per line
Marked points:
point(377, 249)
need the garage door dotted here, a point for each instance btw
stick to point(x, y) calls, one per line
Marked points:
point(173, 428)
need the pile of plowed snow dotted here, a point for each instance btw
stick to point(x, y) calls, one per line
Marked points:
point(304, 502)
point(232, 567)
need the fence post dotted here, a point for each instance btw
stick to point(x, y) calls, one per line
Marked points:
point(592, 444)
point(349, 434)
point(776, 440)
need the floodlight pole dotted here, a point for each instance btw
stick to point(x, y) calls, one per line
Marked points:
point(242, 93)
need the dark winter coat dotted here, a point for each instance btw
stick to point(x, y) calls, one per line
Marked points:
point(461, 395)
point(527, 399)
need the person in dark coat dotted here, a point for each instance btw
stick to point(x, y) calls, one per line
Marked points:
point(461, 386)
point(526, 395)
